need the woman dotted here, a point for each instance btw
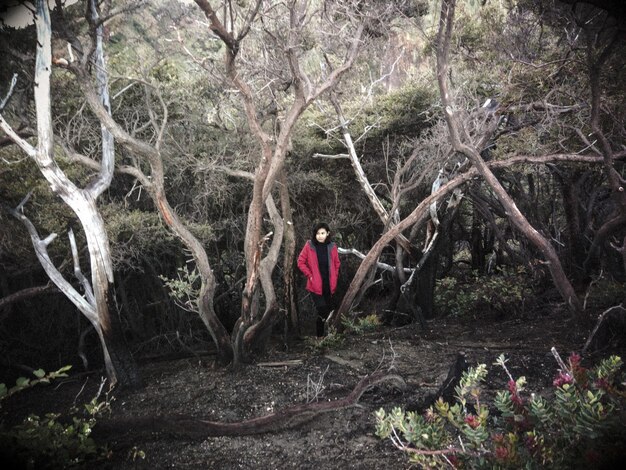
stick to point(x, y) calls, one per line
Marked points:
point(319, 262)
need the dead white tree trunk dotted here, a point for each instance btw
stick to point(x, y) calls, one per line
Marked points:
point(95, 307)
point(361, 177)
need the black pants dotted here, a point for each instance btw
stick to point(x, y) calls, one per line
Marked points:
point(323, 305)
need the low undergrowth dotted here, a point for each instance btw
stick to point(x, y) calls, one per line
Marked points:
point(580, 423)
point(53, 440)
point(505, 292)
point(351, 326)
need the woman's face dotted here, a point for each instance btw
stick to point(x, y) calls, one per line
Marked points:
point(321, 235)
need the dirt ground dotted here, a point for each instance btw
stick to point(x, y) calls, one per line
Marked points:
point(342, 439)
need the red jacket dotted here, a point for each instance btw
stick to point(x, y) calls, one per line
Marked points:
point(307, 263)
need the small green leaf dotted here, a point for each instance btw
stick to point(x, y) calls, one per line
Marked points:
point(39, 373)
point(22, 382)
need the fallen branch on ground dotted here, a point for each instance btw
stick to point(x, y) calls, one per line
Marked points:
point(287, 363)
point(187, 427)
point(598, 337)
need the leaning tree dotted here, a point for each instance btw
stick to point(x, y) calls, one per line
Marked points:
point(473, 130)
point(470, 147)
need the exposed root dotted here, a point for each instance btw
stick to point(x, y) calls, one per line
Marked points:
point(187, 427)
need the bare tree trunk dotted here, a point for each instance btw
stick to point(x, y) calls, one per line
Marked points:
point(97, 301)
point(289, 257)
point(456, 130)
point(246, 336)
point(616, 181)
point(205, 305)
point(273, 152)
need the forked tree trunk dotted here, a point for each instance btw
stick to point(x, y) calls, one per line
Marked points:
point(273, 150)
point(95, 304)
point(119, 364)
point(247, 335)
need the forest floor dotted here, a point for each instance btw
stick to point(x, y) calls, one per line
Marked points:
point(341, 439)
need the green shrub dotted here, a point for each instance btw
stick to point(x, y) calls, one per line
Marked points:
point(332, 340)
point(579, 424)
point(185, 288)
point(361, 325)
point(502, 292)
point(22, 383)
point(52, 441)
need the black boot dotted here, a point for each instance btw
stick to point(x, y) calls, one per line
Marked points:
point(320, 327)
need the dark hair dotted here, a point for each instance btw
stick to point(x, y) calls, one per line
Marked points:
point(318, 226)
